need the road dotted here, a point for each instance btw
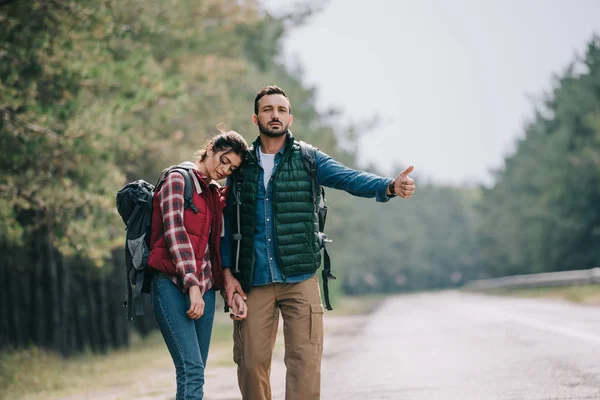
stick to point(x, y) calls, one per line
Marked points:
point(459, 346)
point(442, 346)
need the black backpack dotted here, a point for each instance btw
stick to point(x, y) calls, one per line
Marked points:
point(134, 204)
point(308, 153)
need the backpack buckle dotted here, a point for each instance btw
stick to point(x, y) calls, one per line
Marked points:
point(322, 239)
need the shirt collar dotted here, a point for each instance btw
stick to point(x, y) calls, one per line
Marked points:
point(281, 150)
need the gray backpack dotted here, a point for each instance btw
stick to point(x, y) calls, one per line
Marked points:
point(134, 204)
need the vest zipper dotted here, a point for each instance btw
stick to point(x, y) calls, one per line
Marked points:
point(275, 229)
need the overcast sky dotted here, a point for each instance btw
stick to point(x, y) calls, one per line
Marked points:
point(451, 80)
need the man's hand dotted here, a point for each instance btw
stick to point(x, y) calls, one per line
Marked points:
point(240, 309)
point(196, 303)
point(404, 186)
point(232, 286)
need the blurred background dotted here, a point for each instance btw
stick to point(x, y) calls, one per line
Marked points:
point(496, 104)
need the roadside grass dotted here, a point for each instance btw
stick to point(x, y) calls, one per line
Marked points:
point(35, 374)
point(582, 294)
point(355, 305)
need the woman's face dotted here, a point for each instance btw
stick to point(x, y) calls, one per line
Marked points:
point(221, 164)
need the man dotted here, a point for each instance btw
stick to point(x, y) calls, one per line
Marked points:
point(279, 251)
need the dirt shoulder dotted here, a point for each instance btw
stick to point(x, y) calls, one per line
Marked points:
point(146, 372)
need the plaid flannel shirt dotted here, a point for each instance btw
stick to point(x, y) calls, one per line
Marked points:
point(177, 240)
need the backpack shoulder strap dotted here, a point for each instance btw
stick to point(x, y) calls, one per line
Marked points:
point(236, 182)
point(188, 187)
point(308, 153)
point(309, 157)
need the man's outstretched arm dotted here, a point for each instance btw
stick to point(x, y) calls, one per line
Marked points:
point(333, 174)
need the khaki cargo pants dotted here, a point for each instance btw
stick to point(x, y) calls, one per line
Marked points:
point(254, 340)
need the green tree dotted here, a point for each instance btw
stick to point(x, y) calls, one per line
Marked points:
point(543, 213)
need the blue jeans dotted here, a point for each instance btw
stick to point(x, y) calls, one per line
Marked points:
point(187, 339)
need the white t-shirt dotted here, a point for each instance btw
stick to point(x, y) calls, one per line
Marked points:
point(268, 162)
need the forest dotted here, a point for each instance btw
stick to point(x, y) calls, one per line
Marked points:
point(97, 93)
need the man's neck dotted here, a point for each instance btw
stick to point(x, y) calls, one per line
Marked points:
point(270, 145)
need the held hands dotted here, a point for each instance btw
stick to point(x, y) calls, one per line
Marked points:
point(232, 285)
point(234, 296)
point(240, 309)
point(196, 303)
point(404, 186)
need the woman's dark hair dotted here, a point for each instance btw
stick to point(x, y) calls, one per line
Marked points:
point(269, 90)
point(229, 141)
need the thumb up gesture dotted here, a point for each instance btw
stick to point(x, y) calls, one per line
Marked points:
point(404, 186)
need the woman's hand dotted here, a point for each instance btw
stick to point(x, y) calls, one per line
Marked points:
point(240, 308)
point(196, 303)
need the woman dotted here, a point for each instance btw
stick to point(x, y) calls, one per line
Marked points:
point(185, 252)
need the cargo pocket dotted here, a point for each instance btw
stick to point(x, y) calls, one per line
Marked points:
point(316, 323)
point(238, 342)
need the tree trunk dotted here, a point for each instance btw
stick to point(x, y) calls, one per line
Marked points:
point(45, 302)
point(114, 311)
point(53, 299)
point(17, 307)
point(39, 304)
point(4, 301)
point(123, 326)
point(91, 318)
point(103, 316)
point(24, 268)
point(80, 340)
point(66, 331)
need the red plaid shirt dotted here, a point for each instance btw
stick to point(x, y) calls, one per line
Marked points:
point(177, 240)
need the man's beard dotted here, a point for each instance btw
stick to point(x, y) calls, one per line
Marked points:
point(273, 134)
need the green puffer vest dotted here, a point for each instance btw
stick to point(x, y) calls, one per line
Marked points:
point(296, 223)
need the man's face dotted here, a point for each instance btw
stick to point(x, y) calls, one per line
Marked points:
point(273, 118)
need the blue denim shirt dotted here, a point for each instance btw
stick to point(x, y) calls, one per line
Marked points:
point(330, 173)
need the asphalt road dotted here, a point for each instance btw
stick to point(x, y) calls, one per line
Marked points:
point(451, 346)
point(444, 346)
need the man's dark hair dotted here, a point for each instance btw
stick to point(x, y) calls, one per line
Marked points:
point(269, 90)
